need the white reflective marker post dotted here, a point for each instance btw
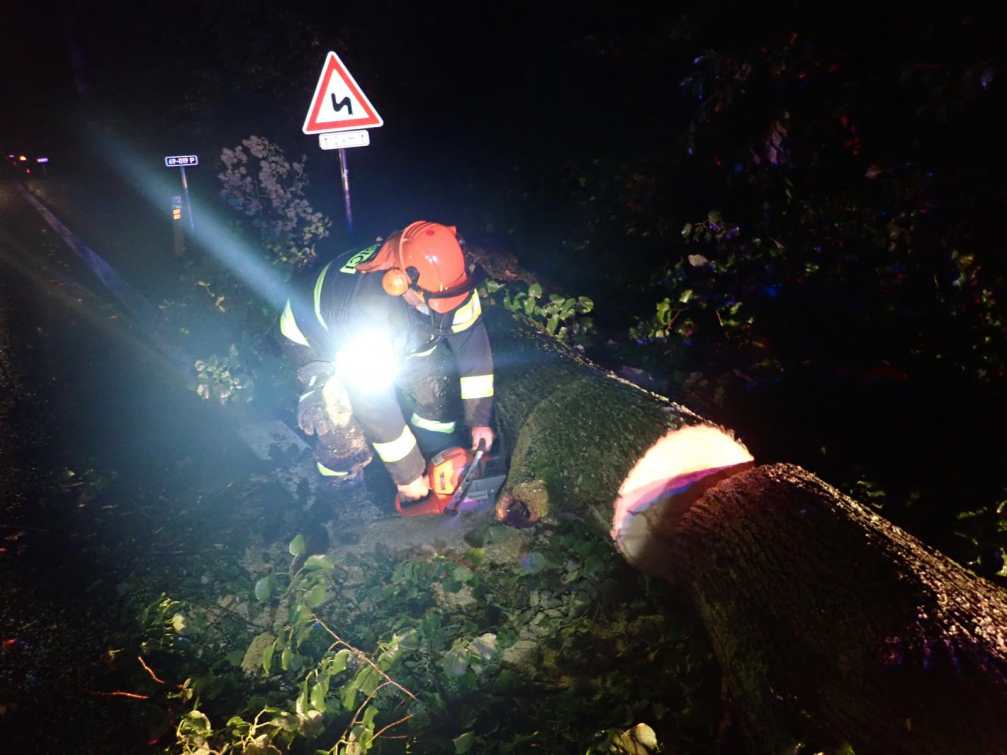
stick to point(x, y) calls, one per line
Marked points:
point(178, 238)
point(180, 161)
point(338, 110)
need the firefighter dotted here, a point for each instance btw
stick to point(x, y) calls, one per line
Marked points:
point(365, 338)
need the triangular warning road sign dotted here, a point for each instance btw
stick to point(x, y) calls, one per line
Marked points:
point(339, 104)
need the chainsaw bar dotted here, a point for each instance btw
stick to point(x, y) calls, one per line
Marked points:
point(474, 470)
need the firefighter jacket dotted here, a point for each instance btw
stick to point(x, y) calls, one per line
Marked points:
point(340, 303)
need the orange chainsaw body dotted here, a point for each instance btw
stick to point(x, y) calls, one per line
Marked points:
point(444, 472)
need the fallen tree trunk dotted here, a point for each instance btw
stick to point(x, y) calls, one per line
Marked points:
point(817, 607)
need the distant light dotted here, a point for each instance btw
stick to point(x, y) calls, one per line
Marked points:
point(22, 158)
point(43, 160)
point(176, 213)
point(10, 157)
point(28, 171)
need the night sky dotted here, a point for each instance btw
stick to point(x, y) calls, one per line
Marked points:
point(468, 94)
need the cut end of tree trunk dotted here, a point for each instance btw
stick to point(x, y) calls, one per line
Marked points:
point(664, 484)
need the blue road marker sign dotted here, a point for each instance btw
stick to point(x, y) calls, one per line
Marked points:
point(180, 161)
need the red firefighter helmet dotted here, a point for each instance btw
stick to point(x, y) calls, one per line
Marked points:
point(427, 258)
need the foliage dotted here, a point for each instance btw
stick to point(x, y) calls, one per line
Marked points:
point(457, 653)
point(562, 317)
point(168, 624)
point(267, 187)
point(223, 378)
point(984, 532)
point(640, 740)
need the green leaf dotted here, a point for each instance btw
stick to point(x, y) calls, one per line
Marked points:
point(430, 626)
point(338, 662)
point(349, 696)
point(686, 229)
point(318, 693)
point(505, 682)
point(300, 614)
point(315, 597)
point(476, 555)
point(556, 298)
point(301, 707)
point(464, 743)
point(179, 623)
point(264, 589)
point(685, 296)
point(285, 657)
point(552, 324)
point(368, 679)
point(296, 546)
point(318, 561)
point(267, 658)
point(534, 290)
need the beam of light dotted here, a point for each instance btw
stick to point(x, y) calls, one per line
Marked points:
point(142, 310)
point(42, 160)
point(52, 282)
point(157, 184)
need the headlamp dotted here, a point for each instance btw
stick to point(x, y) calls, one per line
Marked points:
point(368, 362)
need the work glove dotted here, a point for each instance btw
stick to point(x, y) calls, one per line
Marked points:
point(415, 490)
point(315, 374)
point(482, 433)
point(312, 416)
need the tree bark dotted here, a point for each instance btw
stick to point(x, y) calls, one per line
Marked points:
point(818, 608)
point(816, 604)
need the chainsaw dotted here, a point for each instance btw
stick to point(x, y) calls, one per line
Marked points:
point(451, 474)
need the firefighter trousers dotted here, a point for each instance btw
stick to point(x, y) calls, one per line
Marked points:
point(406, 425)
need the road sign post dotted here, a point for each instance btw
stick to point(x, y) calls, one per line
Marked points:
point(339, 105)
point(180, 161)
point(188, 203)
point(344, 171)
